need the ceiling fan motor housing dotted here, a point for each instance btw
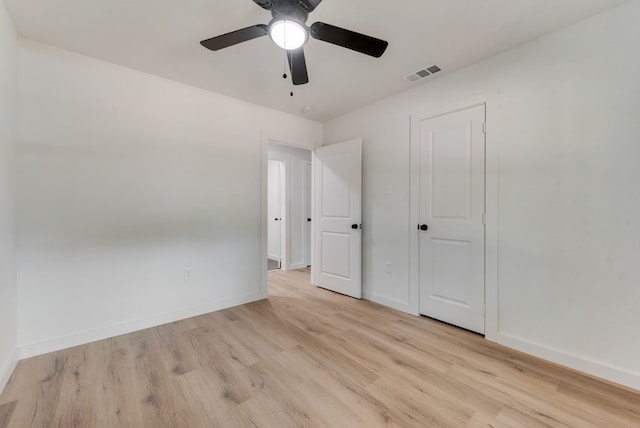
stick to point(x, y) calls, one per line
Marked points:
point(290, 9)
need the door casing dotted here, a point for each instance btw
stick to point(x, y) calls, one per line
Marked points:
point(490, 100)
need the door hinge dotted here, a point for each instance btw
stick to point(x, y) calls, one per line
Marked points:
point(484, 127)
point(484, 310)
point(484, 218)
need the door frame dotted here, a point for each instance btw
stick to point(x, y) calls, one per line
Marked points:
point(308, 189)
point(489, 100)
point(265, 140)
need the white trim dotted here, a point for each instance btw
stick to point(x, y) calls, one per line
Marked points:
point(312, 255)
point(7, 371)
point(414, 217)
point(489, 100)
point(576, 362)
point(297, 266)
point(307, 194)
point(63, 342)
point(491, 216)
point(385, 301)
point(285, 212)
point(264, 168)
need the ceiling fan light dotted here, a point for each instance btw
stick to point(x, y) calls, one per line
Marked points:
point(288, 34)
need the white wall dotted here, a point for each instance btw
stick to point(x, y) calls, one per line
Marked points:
point(8, 318)
point(568, 202)
point(123, 180)
point(294, 161)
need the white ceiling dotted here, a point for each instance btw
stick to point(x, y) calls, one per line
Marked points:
point(162, 37)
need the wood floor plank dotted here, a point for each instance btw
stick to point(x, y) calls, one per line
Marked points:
point(417, 407)
point(306, 357)
point(204, 399)
point(6, 411)
point(412, 371)
point(174, 349)
point(38, 402)
point(75, 407)
point(161, 403)
point(114, 403)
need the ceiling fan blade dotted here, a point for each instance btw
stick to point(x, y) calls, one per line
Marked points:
point(298, 66)
point(349, 39)
point(235, 37)
point(265, 4)
point(308, 5)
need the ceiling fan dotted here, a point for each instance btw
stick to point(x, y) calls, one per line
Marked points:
point(288, 30)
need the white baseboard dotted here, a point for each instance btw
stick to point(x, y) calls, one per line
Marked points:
point(39, 348)
point(385, 301)
point(593, 368)
point(297, 266)
point(7, 371)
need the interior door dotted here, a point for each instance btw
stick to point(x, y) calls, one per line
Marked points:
point(452, 207)
point(337, 171)
point(274, 210)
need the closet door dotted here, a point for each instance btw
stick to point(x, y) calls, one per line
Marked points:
point(452, 231)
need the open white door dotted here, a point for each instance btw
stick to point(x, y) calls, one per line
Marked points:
point(337, 185)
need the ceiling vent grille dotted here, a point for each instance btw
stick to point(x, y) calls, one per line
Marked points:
point(421, 74)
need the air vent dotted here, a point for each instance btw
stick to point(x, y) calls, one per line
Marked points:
point(421, 74)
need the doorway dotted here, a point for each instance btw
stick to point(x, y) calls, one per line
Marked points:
point(451, 216)
point(288, 214)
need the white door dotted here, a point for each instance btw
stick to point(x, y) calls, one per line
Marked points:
point(337, 218)
point(274, 210)
point(307, 213)
point(452, 181)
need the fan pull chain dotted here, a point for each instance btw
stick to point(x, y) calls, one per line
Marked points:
point(291, 93)
point(284, 66)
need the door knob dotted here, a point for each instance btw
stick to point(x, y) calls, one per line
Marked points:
point(423, 227)
point(277, 219)
point(354, 226)
point(308, 219)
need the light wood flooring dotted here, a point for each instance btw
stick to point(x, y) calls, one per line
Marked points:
point(306, 357)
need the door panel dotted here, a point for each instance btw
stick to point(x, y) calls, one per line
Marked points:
point(336, 186)
point(336, 250)
point(452, 156)
point(451, 172)
point(337, 207)
point(451, 270)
